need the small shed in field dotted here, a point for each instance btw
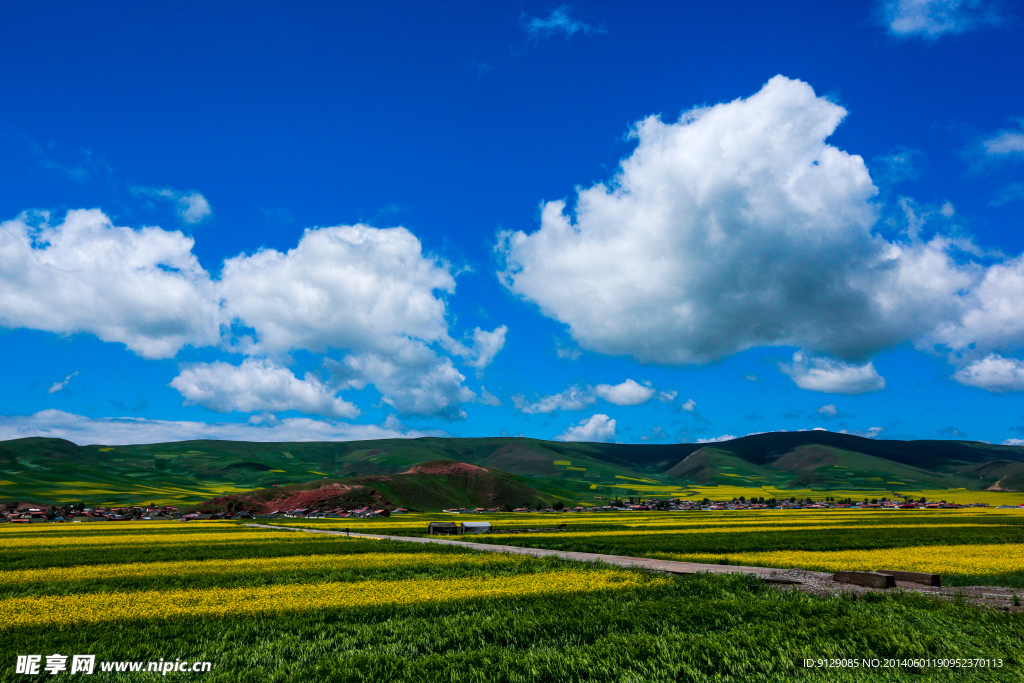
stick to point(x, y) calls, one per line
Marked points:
point(475, 528)
point(443, 528)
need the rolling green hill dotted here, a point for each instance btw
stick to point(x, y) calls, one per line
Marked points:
point(53, 470)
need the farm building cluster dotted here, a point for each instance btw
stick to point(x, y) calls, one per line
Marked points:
point(31, 513)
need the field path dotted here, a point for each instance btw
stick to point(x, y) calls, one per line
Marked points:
point(669, 566)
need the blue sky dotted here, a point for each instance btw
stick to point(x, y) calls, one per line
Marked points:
point(590, 221)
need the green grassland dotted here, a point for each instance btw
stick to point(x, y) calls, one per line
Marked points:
point(698, 628)
point(723, 535)
point(779, 464)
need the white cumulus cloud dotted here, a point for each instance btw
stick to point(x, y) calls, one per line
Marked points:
point(258, 385)
point(412, 379)
point(367, 296)
point(993, 373)
point(833, 376)
point(628, 393)
point(739, 226)
point(736, 226)
point(934, 18)
point(347, 287)
point(597, 427)
point(991, 317)
point(368, 292)
point(143, 288)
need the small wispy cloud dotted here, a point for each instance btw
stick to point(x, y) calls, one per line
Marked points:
point(1005, 143)
point(1008, 193)
point(931, 19)
point(78, 166)
point(718, 439)
point(191, 207)
point(59, 386)
point(557, 22)
point(899, 165)
point(869, 433)
point(125, 430)
point(656, 434)
point(566, 349)
point(581, 396)
point(487, 398)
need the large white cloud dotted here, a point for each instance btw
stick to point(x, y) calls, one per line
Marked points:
point(597, 427)
point(125, 430)
point(993, 373)
point(738, 226)
point(371, 293)
point(366, 295)
point(347, 287)
point(934, 18)
point(143, 288)
point(258, 385)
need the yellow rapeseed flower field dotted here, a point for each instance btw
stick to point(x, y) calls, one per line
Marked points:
point(738, 529)
point(107, 527)
point(107, 607)
point(248, 566)
point(197, 537)
point(996, 558)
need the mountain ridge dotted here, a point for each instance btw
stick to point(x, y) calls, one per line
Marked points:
point(56, 470)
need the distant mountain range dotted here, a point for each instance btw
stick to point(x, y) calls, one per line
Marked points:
point(53, 470)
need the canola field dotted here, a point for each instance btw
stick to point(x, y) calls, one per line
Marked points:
point(264, 605)
point(971, 546)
